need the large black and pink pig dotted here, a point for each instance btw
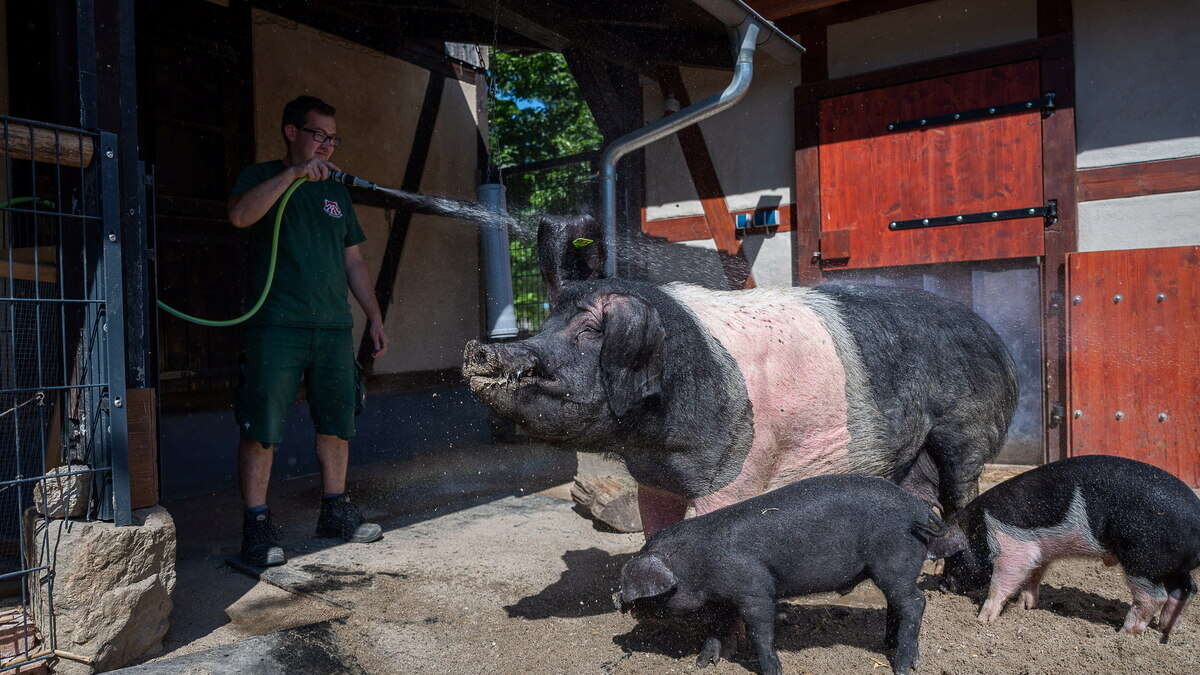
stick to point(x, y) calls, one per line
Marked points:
point(713, 397)
point(1119, 510)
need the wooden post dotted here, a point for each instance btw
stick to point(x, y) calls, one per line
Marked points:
point(21, 141)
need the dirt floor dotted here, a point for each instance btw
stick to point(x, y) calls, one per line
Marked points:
point(514, 583)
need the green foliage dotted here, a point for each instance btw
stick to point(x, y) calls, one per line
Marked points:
point(558, 121)
point(552, 121)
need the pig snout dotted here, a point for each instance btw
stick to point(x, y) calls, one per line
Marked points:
point(488, 365)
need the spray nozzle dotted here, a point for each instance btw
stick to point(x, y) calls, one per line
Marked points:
point(351, 181)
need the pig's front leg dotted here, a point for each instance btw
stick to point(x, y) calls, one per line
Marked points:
point(1149, 597)
point(723, 628)
point(1029, 594)
point(759, 614)
point(659, 509)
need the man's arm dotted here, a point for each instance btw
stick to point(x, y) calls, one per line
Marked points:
point(249, 207)
point(359, 280)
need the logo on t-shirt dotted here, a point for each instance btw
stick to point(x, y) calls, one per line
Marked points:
point(332, 208)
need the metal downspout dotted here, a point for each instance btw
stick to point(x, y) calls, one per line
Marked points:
point(743, 72)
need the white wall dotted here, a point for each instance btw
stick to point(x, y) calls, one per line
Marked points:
point(1149, 221)
point(435, 304)
point(928, 31)
point(1137, 80)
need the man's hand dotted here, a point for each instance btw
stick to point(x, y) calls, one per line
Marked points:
point(379, 337)
point(314, 169)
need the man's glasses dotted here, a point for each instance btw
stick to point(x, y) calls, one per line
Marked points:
point(322, 138)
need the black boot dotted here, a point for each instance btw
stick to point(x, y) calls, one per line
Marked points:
point(341, 519)
point(260, 541)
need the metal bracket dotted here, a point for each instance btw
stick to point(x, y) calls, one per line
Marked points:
point(1045, 104)
point(1049, 212)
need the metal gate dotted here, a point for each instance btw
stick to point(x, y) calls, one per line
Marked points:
point(63, 454)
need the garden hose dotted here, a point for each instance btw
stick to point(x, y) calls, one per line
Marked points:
point(21, 200)
point(270, 272)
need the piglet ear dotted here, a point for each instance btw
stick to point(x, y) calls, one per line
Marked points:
point(645, 576)
point(946, 545)
point(631, 357)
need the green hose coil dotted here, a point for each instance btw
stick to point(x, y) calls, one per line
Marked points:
point(270, 272)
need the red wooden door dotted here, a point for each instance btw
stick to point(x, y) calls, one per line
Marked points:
point(1133, 356)
point(871, 176)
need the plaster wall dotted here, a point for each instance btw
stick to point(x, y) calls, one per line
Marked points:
point(1136, 71)
point(1148, 221)
point(928, 31)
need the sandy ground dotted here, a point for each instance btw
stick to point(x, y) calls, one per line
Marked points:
point(521, 583)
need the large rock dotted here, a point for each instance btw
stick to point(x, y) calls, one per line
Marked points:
point(112, 590)
point(604, 489)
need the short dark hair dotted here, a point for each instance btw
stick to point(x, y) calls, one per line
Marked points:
point(296, 112)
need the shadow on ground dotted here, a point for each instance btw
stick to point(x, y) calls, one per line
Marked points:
point(583, 589)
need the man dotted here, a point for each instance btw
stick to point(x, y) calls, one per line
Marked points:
point(304, 329)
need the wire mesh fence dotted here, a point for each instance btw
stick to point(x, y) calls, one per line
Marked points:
point(57, 364)
point(564, 188)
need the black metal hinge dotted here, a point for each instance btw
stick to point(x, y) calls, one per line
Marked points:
point(1045, 104)
point(1049, 212)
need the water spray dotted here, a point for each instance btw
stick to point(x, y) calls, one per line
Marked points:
point(419, 203)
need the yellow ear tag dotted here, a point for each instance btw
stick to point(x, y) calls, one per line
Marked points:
point(581, 242)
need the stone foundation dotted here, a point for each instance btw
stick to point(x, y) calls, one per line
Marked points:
point(112, 587)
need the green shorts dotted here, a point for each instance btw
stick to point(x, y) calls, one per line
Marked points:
point(274, 360)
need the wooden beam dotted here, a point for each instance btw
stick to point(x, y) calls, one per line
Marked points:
point(493, 11)
point(1058, 178)
point(596, 85)
point(1139, 179)
point(774, 10)
point(841, 13)
point(708, 187)
point(1054, 17)
point(413, 172)
point(693, 228)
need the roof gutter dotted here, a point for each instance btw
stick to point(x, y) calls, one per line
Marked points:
point(747, 27)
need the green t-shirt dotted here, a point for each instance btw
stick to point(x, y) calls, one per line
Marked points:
point(309, 290)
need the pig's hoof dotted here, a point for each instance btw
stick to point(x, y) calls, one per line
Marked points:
point(710, 654)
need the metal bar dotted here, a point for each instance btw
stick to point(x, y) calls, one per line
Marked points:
point(58, 301)
point(1045, 104)
point(552, 163)
point(1049, 212)
point(114, 323)
point(35, 479)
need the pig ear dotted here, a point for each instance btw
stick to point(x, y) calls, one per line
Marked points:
point(646, 576)
point(631, 357)
point(946, 545)
point(569, 248)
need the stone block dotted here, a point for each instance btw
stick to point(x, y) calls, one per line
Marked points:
point(112, 586)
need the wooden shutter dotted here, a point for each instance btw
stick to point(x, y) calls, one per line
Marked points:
point(871, 176)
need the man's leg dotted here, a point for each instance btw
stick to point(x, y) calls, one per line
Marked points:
point(333, 454)
point(254, 472)
point(331, 393)
point(271, 370)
